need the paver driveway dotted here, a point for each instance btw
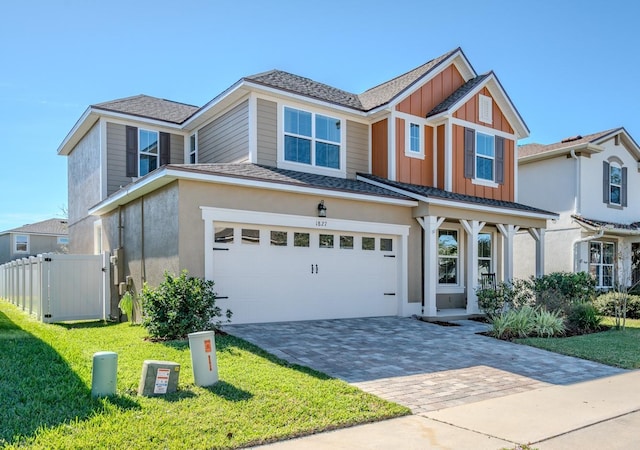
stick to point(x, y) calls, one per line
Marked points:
point(421, 365)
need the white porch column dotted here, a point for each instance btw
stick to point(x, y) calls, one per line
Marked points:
point(473, 228)
point(430, 225)
point(538, 236)
point(508, 232)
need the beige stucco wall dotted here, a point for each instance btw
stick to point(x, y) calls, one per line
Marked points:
point(193, 195)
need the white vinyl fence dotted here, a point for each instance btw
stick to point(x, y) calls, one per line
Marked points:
point(57, 288)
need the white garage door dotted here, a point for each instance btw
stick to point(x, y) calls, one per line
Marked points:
point(272, 273)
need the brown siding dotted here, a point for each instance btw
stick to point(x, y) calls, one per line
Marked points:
point(427, 97)
point(379, 151)
point(462, 185)
point(414, 170)
point(440, 152)
point(469, 112)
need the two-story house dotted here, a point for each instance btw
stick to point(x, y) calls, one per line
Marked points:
point(304, 201)
point(588, 180)
point(47, 236)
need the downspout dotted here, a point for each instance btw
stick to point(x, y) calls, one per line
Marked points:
point(578, 193)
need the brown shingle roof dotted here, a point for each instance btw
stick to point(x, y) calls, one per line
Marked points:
point(458, 94)
point(150, 107)
point(535, 149)
point(50, 226)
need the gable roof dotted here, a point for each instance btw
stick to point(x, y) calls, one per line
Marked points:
point(589, 144)
point(458, 95)
point(150, 108)
point(50, 226)
point(428, 192)
point(608, 227)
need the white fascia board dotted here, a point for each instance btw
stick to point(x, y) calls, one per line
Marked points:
point(462, 204)
point(167, 175)
point(84, 124)
point(457, 59)
point(586, 147)
point(630, 143)
point(123, 118)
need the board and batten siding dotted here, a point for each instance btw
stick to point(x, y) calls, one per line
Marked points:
point(267, 115)
point(226, 139)
point(357, 148)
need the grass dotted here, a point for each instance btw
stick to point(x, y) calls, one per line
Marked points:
point(619, 348)
point(45, 392)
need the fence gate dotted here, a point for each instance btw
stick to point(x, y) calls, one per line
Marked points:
point(57, 287)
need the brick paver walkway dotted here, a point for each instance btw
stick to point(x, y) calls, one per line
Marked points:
point(417, 364)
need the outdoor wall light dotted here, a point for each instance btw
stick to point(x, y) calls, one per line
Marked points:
point(322, 210)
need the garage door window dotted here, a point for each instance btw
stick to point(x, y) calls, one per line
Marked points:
point(386, 245)
point(326, 241)
point(279, 238)
point(368, 243)
point(250, 236)
point(224, 235)
point(346, 242)
point(301, 239)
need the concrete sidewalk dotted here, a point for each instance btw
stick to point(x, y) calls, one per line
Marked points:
point(603, 413)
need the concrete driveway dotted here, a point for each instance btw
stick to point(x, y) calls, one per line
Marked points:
point(424, 366)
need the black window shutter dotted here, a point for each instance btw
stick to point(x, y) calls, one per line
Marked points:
point(132, 151)
point(499, 160)
point(469, 152)
point(624, 186)
point(605, 182)
point(165, 149)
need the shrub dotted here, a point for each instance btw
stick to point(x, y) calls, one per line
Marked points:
point(548, 324)
point(506, 295)
point(180, 305)
point(583, 317)
point(559, 290)
point(126, 306)
point(606, 304)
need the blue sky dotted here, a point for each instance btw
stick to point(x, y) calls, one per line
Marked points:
point(570, 67)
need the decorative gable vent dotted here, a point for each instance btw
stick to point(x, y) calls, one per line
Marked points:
point(485, 109)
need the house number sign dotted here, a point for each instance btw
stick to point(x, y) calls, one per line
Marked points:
point(321, 223)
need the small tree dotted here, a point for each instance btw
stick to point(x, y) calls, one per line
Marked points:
point(624, 284)
point(179, 306)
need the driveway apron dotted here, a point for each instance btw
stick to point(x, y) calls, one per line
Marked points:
point(421, 365)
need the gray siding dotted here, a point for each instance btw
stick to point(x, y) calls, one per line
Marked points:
point(5, 248)
point(267, 118)
point(226, 139)
point(357, 148)
point(83, 171)
point(116, 158)
point(177, 149)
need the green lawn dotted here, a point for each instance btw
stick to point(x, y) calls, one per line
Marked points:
point(45, 392)
point(619, 348)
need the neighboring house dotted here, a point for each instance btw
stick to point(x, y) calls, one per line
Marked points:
point(304, 201)
point(48, 236)
point(589, 180)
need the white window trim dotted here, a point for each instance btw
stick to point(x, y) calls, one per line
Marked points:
point(602, 265)
point(193, 135)
point(408, 120)
point(312, 168)
point(15, 243)
point(140, 152)
point(491, 258)
point(485, 109)
point(613, 164)
point(446, 287)
point(476, 179)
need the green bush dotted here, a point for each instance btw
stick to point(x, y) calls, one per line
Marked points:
point(559, 290)
point(606, 304)
point(180, 305)
point(583, 317)
point(514, 294)
point(548, 324)
point(126, 306)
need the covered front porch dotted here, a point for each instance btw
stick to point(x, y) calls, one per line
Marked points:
point(465, 248)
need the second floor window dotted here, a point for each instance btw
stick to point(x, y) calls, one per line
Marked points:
point(485, 156)
point(148, 151)
point(311, 138)
point(614, 183)
point(193, 148)
point(414, 137)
